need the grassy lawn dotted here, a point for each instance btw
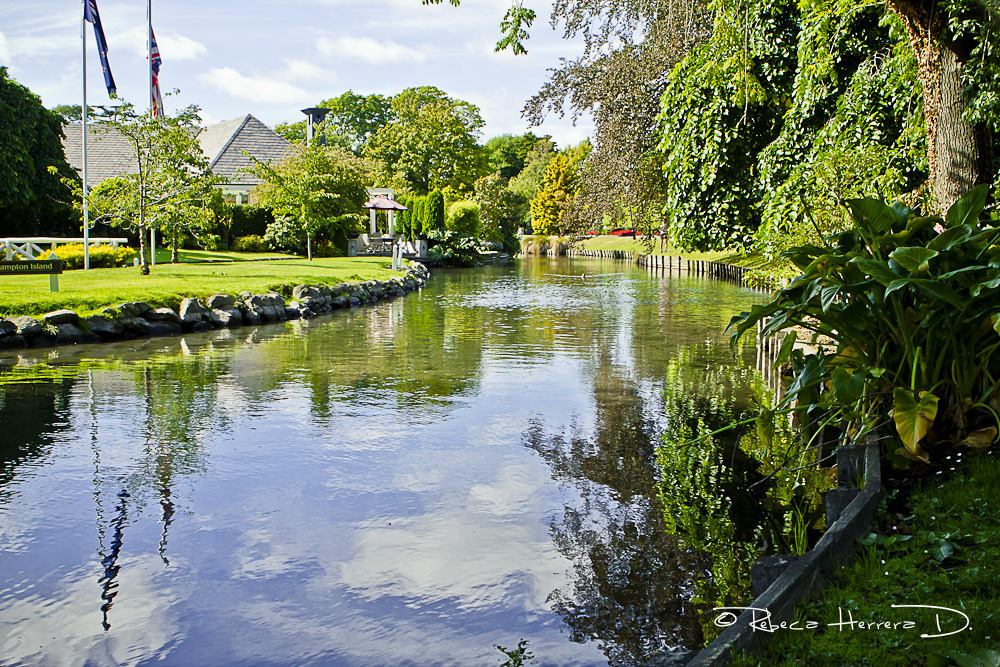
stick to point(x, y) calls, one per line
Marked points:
point(90, 291)
point(163, 256)
point(942, 550)
point(629, 244)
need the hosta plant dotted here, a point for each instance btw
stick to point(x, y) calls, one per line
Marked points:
point(906, 309)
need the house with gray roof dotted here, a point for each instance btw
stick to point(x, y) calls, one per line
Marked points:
point(223, 145)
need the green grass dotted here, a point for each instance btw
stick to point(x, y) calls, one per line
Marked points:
point(89, 291)
point(943, 551)
point(163, 256)
point(629, 244)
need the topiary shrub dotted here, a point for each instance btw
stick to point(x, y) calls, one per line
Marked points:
point(463, 217)
point(433, 218)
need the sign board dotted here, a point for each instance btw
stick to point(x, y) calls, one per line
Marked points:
point(29, 267)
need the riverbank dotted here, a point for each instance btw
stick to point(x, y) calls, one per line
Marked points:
point(138, 318)
point(754, 269)
point(88, 292)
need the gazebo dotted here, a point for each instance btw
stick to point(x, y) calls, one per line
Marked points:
point(383, 203)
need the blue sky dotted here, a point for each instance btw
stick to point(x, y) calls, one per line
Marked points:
point(272, 59)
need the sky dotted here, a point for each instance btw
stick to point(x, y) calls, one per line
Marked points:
point(272, 59)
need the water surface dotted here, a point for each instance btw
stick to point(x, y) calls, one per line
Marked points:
point(406, 484)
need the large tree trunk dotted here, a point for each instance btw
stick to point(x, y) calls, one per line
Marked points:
point(959, 153)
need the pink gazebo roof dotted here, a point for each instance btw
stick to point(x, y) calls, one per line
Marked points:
point(383, 203)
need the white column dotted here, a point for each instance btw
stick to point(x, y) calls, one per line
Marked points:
point(371, 225)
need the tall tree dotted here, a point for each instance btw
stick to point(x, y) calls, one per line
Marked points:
point(629, 47)
point(434, 212)
point(30, 149)
point(172, 184)
point(501, 211)
point(314, 189)
point(554, 201)
point(526, 183)
point(430, 142)
point(957, 46)
point(507, 153)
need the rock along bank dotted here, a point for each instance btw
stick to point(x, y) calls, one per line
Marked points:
point(136, 319)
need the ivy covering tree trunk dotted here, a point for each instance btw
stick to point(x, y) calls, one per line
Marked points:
point(959, 150)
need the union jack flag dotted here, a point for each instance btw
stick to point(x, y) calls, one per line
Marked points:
point(91, 14)
point(156, 101)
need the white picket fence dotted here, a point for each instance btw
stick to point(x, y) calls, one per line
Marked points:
point(31, 247)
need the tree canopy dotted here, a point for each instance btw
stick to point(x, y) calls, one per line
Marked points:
point(749, 121)
point(31, 144)
point(353, 119)
point(552, 204)
point(314, 190)
point(507, 154)
point(430, 142)
point(172, 185)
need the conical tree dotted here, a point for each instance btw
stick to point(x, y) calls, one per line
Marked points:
point(434, 215)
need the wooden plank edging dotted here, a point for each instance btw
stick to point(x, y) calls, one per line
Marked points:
point(804, 576)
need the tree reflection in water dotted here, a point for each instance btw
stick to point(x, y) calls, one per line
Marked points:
point(662, 532)
point(633, 582)
point(174, 399)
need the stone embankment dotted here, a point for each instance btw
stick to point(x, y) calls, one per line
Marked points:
point(221, 311)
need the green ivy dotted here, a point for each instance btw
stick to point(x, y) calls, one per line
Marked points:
point(785, 112)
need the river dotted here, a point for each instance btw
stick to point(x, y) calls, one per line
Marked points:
point(411, 483)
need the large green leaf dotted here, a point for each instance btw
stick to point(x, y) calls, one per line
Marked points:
point(913, 258)
point(914, 416)
point(809, 376)
point(939, 290)
point(966, 211)
point(847, 387)
point(880, 271)
point(827, 296)
point(949, 238)
point(964, 269)
point(897, 284)
point(872, 215)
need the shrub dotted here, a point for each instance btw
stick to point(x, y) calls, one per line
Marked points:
point(417, 217)
point(452, 248)
point(463, 217)
point(101, 256)
point(433, 218)
point(284, 235)
point(327, 249)
point(912, 307)
point(251, 243)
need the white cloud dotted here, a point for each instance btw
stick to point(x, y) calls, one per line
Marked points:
point(173, 47)
point(4, 51)
point(254, 88)
point(304, 70)
point(374, 51)
point(179, 47)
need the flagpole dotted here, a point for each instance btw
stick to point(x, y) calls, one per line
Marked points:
point(83, 115)
point(149, 60)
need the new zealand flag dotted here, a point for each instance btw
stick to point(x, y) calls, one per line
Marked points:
point(90, 14)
